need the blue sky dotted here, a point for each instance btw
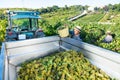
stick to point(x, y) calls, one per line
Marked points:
point(46, 3)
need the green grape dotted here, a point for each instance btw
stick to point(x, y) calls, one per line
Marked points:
point(68, 65)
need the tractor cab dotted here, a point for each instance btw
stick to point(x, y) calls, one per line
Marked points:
point(23, 25)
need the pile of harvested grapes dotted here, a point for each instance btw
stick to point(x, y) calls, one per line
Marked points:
point(68, 65)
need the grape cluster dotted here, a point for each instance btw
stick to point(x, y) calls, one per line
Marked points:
point(68, 65)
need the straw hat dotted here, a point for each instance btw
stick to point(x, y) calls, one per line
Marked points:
point(78, 27)
point(108, 32)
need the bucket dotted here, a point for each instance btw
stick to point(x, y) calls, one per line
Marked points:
point(63, 32)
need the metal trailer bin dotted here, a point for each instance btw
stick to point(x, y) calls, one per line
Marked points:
point(17, 52)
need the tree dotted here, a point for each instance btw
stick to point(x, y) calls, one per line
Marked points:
point(43, 10)
point(110, 6)
point(66, 7)
point(96, 8)
point(55, 8)
point(106, 8)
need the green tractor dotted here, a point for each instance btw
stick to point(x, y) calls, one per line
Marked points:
point(23, 25)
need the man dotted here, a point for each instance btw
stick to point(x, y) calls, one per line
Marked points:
point(39, 33)
point(108, 37)
point(75, 34)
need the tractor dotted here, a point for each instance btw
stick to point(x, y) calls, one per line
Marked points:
point(23, 25)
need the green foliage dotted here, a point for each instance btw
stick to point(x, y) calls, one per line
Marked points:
point(91, 18)
point(105, 18)
point(49, 9)
point(49, 29)
point(21, 22)
point(114, 45)
point(92, 32)
point(50, 22)
point(111, 17)
point(3, 25)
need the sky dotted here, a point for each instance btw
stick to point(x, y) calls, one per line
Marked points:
point(49, 3)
